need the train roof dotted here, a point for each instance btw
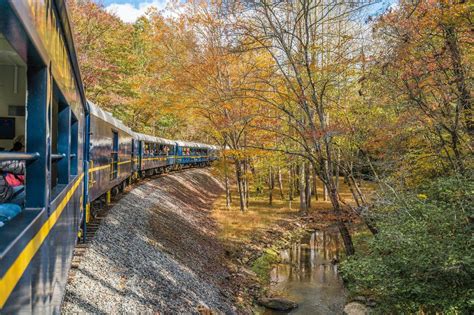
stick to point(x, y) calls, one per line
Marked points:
point(144, 137)
point(193, 144)
point(106, 116)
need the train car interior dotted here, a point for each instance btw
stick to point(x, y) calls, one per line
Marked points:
point(13, 78)
point(164, 150)
point(19, 135)
point(22, 145)
point(157, 149)
point(12, 96)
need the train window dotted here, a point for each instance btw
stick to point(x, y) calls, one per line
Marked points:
point(12, 96)
point(19, 83)
point(13, 78)
point(147, 149)
point(114, 156)
point(163, 150)
point(74, 145)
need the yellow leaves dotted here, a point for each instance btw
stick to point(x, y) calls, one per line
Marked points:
point(422, 196)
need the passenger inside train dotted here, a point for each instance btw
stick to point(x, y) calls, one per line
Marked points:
point(17, 89)
point(12, 131)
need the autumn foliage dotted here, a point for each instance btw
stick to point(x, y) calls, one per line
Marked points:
point(300, 94)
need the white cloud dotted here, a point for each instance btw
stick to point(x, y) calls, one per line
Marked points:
point(130, 13)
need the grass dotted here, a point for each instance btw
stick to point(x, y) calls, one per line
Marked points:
point(237, 225)
point(264, 264)
point(240, 226)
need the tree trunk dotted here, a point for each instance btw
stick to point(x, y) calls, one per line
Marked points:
point(315, 185)
point(465, 100)
point(271, 185)
point(240, 185)
point(246, 183)
point(336, 171)
point(303, 205)
point(343, 230)
point(296, 183)
point(361, 203)
point(325, 192)
point(228, 196)
point(328, 179)
point(280, 184)
point(307, 178)
point(290, 186)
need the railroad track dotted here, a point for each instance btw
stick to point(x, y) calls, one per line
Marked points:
point(82, 247)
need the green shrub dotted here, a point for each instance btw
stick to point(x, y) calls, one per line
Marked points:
point(264, 264)
point(422, 258)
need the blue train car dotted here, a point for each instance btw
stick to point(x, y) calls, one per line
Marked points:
point(41, 101)
point(213, 153)
point(75, 153)
point(192, 154)
point(111, 152)
point(156, 155)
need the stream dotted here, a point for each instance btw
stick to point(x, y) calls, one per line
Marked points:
point(307, 275)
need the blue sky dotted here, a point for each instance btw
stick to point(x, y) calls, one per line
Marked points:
point(130, 10)
point(133, 2)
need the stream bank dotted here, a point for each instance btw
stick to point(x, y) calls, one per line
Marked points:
point(307, 273)
point(284, 256)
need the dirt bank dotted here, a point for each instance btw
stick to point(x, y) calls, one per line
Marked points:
point(156, 251)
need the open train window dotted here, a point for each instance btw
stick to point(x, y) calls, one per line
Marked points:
point(12, 96)
point(114, 155)
point(13, 93)
point(63, 147)
point(74, 145)
point(147, 149)
point(12, 116)
point(164, 150)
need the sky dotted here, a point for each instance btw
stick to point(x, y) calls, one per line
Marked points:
point(130, 10)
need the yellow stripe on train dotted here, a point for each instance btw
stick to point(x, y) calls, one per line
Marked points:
point(15, 272)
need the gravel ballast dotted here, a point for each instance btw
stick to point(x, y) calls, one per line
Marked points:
point(156, 252)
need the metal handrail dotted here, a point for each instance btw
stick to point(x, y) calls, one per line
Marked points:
point(57, 157)
point(18, 156)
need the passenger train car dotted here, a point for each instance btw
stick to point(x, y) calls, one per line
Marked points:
point(76, 153)
point(156, 154)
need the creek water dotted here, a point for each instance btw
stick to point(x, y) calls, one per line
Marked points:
point(308, 276)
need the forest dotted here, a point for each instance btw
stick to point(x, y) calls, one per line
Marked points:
point(307, 98)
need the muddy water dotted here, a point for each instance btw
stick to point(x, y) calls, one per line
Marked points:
point(308, 276)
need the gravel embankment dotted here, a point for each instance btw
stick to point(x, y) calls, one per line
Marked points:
point(156, 252)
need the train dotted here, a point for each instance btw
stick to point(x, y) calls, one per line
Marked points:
point(75, 153)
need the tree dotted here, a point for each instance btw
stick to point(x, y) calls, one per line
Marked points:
point(424, 65)
point(311, 45)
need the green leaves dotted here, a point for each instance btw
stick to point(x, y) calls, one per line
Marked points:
point(422, 257)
